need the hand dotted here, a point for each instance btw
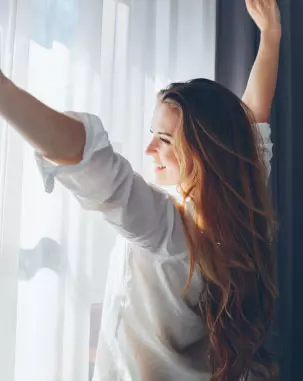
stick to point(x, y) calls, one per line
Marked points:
point(265, 14)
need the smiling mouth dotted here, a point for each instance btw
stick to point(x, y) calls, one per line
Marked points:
point(159, 168)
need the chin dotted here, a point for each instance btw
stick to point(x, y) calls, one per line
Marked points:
point(164, 182)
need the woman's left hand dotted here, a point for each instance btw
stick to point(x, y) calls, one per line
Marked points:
point(265, 14)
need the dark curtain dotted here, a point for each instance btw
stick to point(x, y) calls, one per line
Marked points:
point(237, 43)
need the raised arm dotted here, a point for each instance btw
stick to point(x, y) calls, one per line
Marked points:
point(101, 179)
point(261, 85)
point(54, 135)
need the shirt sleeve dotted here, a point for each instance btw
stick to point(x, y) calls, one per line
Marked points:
point(104, 181)
point(266, 144)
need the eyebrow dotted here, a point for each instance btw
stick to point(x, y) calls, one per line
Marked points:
point(162, 133)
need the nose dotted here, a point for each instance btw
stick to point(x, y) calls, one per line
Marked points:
point(151, 149)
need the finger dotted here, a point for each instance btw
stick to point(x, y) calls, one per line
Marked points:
point(258, 4)
point(268, 3)
point(250, 3)
point(263, 5)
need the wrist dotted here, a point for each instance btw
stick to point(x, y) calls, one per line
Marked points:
point(273, 35)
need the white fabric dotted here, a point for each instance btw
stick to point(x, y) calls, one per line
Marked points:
point(106, 57)
point(148, 329)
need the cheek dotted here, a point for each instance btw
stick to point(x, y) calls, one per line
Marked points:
point(170, 159)
point(171, 175)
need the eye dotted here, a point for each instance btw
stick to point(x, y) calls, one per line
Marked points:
point(165, 141)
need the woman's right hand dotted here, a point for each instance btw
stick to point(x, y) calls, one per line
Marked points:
point(54, 135)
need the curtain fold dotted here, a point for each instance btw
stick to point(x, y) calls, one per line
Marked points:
point(288, 116)
point(237, 42)
point(105, 57)
point(236, 45)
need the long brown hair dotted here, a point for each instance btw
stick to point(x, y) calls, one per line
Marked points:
point(232, 245)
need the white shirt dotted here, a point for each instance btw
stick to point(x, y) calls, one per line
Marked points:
point(149, 332)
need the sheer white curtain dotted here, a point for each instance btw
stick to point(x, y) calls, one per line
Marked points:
point(106, 57)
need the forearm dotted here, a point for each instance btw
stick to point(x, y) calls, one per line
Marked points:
point(54, 135)
point(261, 85)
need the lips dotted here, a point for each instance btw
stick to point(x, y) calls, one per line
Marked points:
point(159, 167)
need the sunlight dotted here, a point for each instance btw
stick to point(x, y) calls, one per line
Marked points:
point(49, 73)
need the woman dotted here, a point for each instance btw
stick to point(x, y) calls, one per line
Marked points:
point(191, 293)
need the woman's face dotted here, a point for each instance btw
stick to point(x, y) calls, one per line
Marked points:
point(164, 123)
